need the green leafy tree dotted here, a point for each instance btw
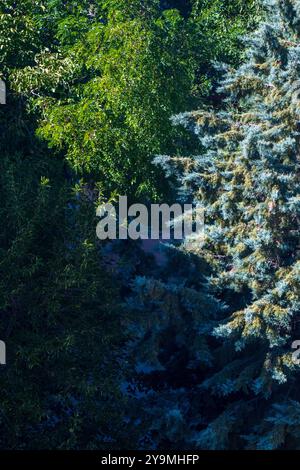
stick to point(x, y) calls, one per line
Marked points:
point(115, 73)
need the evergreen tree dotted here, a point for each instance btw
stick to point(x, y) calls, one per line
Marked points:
point(170, 349)
point(247, 179)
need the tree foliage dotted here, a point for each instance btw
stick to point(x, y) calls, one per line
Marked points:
point(60, 313)
point(114, 74)
point(92, 85)
point(247, 179)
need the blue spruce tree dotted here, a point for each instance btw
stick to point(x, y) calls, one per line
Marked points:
point(244, 389)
